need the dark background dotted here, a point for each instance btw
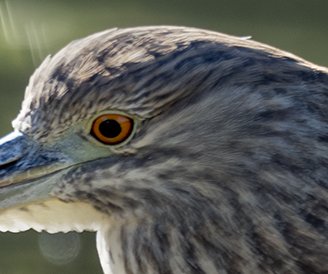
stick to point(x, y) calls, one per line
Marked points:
point(30, 30)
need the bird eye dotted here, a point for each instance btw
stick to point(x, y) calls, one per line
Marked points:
point(112, 129)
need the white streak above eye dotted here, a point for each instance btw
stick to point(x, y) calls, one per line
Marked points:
point(9, 137)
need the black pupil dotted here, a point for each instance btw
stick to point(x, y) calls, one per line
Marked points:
point(110, 128)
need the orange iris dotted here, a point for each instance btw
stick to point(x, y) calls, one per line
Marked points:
point(112, 129)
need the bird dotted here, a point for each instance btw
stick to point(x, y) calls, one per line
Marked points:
point(186, 150)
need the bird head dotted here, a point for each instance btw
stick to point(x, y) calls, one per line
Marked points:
point(178, 129)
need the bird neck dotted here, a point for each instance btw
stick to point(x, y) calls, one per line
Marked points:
point(154, 248)
point(189, 242)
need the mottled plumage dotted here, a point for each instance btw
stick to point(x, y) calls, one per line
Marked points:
point(226, 172)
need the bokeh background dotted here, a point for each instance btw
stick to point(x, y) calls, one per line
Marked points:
point(32, 29)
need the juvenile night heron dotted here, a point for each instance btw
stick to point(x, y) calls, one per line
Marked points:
point(188, 151)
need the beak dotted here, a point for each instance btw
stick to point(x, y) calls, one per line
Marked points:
point(30, 175)
point(26, 169)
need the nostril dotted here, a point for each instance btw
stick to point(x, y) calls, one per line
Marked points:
point(7, 165)
point(9, 158)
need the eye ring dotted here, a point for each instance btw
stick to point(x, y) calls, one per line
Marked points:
point(112, 129)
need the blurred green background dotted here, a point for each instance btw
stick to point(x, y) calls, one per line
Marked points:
point(30, 30)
